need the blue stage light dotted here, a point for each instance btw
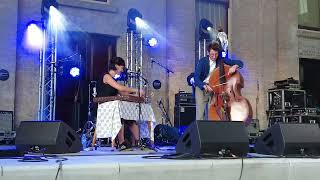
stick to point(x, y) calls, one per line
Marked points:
point(205, 29)
point(140, 23)
point(56, 18)
point(46, 5)
point(224, 54)
point(153, 42)
point(134, 19)
point(75, 72)
point(34, 35)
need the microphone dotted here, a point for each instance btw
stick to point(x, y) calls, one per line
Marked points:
point(127, 71)
point(94, 91)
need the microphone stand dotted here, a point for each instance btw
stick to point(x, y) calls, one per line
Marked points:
point(87, 134)
point(92, 87)
point(164, 113)
point(168, 71)
point(138, 75)
point(164, 67)
point(138, 79)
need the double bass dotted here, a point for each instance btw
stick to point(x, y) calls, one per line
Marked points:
point(228, 104)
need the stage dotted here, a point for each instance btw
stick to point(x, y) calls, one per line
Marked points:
point(146, 165)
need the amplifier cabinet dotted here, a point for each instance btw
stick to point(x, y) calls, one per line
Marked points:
point(294, 119)
point(184, 99)
point(281, 99)
point(184, 115)
point(6, 121)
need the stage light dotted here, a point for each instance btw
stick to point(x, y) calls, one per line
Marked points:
point(45, 7)
point(205, 29)
point(152, 42)
point(222, 38)
point(140, 23)
point(56, 18)
point(34, 35)
point(75, 72)
point(224, 54)
point(134, 19)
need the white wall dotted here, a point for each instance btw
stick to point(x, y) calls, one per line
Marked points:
point(88, 17)
point(8, 34)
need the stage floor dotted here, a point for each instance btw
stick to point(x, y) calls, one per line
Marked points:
point(106, 164)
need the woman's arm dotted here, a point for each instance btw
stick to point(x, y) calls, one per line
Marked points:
point(107, 79)
point(124, 93)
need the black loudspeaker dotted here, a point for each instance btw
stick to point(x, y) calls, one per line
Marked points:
point(217, 138)
point(184, 115)
point(290, 139)
point(47, 137)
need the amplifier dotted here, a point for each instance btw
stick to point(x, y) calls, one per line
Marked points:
point(183, 98)
point(293, 111)
point(298, 111)
point(6, 121)
point(284, 119)
point(294, 119)
point(184, 115)
point(286, 82)
point(279, 112)
point(310, 119)
point(311, 111)
point(280, 99)
point(311, 102)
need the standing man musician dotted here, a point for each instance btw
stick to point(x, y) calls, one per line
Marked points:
point(204, 68)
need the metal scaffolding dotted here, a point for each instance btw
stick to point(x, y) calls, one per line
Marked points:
point(48, 73)
point(134, 59)
point(202, 46)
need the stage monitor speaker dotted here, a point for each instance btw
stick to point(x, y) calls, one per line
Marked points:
point(47, 137)
point(290, 139)
point(217, 138)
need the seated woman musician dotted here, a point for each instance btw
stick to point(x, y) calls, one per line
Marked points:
point(110, 87)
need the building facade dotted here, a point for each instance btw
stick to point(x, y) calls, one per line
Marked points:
point(264, 34)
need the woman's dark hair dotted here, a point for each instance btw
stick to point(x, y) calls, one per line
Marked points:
point(116, 61)
point(214, 46)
